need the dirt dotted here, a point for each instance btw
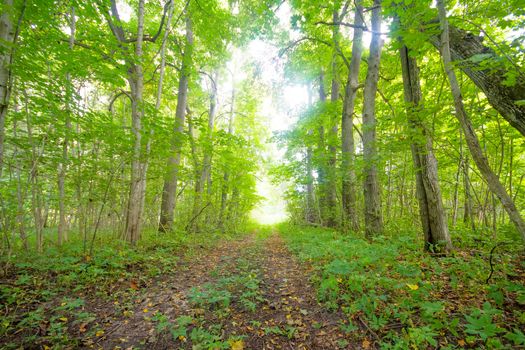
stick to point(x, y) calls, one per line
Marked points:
point(287, 314)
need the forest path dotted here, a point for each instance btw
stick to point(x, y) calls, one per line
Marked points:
point(249, 293)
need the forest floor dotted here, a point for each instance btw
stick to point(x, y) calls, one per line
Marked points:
point(289, 287)
point(246, 293)
point(249, 293)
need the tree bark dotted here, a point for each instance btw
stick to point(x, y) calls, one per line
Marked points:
point(331, 195)
point(62, 224)
point(372, 196)
point(431, 211)
point(226, 177)
point(323, 164)
point(470, 135)
point(36, 193)
point(6, 36)
point(311, 212)
point(20, 194)
point(169, 191)
point(207, 156)
point(136, 82)
point(468, 214)
point(350, 215)
point(463, 47)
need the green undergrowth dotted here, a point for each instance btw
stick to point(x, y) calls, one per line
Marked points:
point(236, 287)
point(48, 299)
point(399, 297)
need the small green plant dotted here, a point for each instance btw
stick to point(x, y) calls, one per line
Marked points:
point(479, 322)
point(209, 297)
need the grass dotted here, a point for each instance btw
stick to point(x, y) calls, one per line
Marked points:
point(404, 298)
point(45, 296)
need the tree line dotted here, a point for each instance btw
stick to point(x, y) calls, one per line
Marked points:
point(436, 102)
point(117, 116)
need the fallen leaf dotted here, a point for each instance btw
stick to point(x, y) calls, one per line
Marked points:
point(461, 342)
point(99, 333)
point(413, 286)
point(366, 344)
point(237, 345)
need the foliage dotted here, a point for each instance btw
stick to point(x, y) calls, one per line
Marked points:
point(407, 297)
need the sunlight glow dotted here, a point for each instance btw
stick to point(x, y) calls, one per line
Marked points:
point(272, 210)
point(124, 11)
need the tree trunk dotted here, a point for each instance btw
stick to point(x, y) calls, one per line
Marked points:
point(470, 135)
point(36, 193)
point(373, 216)
point(6, 37)
point(169, 191)
point(456, 183)
point(350, 215)
point(62, 224)
point(431, 211)
point(311, 212)
point(331, 189)
point(20, 195)
point(322, 169)
point(464, 46)
point(468, 215)
point(205, 170)
point(136, 82)
point(226, 177)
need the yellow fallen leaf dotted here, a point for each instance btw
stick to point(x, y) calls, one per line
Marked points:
point(182, 338)
point(366, 344)
point(99, 333)
point(63, 319)
point(237, 345)
point(413, 286)
point(461, 342)
point(145, 310)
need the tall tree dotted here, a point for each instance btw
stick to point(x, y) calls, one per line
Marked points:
point(62, 169)
point(9, 30)
point(135, 77)
point(372, 195)
point(470, 135)
point(350, 215)
point(204, 172)
point(169, 191)
point(431, 211)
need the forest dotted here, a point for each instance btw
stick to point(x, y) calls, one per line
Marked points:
point(262, 174)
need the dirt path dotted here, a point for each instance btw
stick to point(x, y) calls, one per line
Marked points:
point(244, 294)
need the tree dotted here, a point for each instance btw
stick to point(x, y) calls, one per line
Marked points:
point(372, 195)
point(470, 135)
point(432, 213)
point(350, 214)
point(169, 192)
